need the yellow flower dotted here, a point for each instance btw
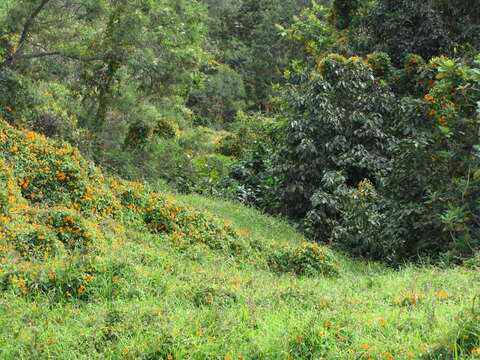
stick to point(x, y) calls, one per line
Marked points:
point(441, 295)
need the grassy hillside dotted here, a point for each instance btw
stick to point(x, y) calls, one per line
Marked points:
point(94, 267)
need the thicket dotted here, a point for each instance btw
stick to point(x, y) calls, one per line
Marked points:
point(378, 153)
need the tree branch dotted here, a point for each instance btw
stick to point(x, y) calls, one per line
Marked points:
point(53, 53)
point(25, 32)
point(28, 25)
point(31, 56)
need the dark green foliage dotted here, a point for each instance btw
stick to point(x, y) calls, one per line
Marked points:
point(246, 37)
point(137, 135)
point(462, 19)
point(164, 129)
point(343, 12)
point(337, 121)
point(251, 179)
point(399, 27)
point(426, 203)
point(216, 101)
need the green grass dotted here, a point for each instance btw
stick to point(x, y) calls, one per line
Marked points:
point(148, 295)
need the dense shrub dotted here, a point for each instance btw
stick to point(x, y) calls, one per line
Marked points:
point(337, 121)
point(306, 259)
point(385, 179)
point(250, 177)
point(427, 202)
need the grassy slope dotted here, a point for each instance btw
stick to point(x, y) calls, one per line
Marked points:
point(151, 297)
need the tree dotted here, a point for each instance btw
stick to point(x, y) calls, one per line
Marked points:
point(337, 121)
point(94, 47)
point(400, 27)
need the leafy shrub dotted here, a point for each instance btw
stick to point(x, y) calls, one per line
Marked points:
point(138, 135)
point(249, 131)
point(165, 129)
point(305, 259)
point(343, 11)
point(54, 243)
point(72, 230)
point(211, 173)
point(381, 65)
point(198, 141)
point(166, 217)
point(254, 140)
point(230, 146)
point(38, 241)
point(146, 121)
point(337, 121)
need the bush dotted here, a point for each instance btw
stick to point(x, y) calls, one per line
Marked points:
point(198, 141)
point(165, 129)
point(337, 122)
point(306, 259)
point(138, 135)
point(189, 229)
point(36, 241)
point(72, 230)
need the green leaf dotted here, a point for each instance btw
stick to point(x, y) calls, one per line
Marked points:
point(445, 131)
point(476, 175)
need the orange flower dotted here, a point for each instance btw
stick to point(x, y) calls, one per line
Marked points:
point(441, 295)
point(428, 97)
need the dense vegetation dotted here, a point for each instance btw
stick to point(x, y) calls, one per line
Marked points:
point(358, 122)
